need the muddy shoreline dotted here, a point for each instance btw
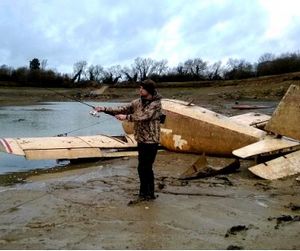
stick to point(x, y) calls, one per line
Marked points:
point(87, 207)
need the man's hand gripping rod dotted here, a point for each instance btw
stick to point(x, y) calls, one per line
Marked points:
point(96, 111)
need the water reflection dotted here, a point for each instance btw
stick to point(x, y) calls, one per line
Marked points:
point(50, 119)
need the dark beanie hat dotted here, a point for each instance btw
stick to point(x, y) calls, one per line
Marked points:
point(149, 86)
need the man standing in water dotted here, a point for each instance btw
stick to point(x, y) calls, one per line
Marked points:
point(145, 112)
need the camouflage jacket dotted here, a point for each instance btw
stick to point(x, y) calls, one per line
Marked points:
point(145, 114)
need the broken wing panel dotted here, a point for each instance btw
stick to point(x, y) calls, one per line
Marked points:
point(251, 119)
point(267, 146)
point(278, 168)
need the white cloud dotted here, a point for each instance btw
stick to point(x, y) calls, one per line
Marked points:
point(116, 32)
point(281, 17)
point(168, 43)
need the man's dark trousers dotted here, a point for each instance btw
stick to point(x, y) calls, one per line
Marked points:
point(147, 154)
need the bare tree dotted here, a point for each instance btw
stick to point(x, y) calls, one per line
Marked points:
point(180, 69)
point(195, 67)
point(144, 67)
point(79, 69)
point(238, 69)
point(90, 72)
point(234, 64)
point(98, 72)
point(147, 67)
point(112, 74)
point(44, 64)
point(131, 74)
point(266, 57)
point(160, 67)
point(95, 73)
point(214, 71)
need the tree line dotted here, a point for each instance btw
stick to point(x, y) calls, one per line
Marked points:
point(195, 69)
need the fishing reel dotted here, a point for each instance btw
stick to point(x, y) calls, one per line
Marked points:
point(94, 113)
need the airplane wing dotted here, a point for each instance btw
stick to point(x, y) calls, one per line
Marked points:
point(70, 147)
point(267, 146)
point(278, 168)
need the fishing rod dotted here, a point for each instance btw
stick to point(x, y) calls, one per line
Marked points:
point(69, 97)
point(94, 113)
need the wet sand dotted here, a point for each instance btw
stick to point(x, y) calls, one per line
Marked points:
point(87, 207)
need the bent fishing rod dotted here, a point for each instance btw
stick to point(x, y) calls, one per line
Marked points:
point(93, 113)
point(69, 97)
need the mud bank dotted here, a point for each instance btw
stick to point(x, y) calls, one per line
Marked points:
point(87, 208)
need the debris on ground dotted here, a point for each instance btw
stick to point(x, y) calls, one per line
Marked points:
point(235, 229)
point(205, 168)
point(264, 187)
point(234, 247)
point(227, 181)
point(293, 207)
point(284, 218)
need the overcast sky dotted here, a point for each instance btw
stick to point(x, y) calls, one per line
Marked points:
point(111, 32)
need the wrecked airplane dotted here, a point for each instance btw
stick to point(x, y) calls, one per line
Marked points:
point(192, 129)
point(283, 138)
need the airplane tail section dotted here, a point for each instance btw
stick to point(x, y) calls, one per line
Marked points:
point(285, 120)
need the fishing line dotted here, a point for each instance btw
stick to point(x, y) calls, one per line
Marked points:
point(94, 113)
point(81, 128)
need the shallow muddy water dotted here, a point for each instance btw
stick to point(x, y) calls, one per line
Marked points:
point(50, 119)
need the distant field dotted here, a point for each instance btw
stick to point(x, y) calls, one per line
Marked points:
point(200, 92)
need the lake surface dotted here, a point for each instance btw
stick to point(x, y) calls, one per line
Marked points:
point(50, 119)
